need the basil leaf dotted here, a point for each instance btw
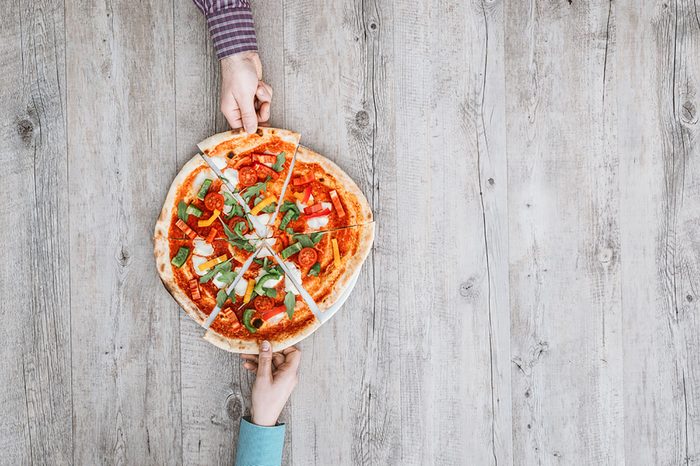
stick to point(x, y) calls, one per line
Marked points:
point(289, 302)
point(315, 269)
point(227, 277)
point(238, 229)
point(182, 211)
point(270, 208)
point(271, 292)
point(221, 298)
point(254, 190)
point(288, 205)
point(223, 267)
point(280, 162)
point(316, 237)
point(241, 244)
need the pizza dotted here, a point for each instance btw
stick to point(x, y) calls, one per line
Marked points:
point(260, 238)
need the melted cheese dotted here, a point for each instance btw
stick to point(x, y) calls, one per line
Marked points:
point(231, 174)
point(196, 262)
point(319, 222)
point(296, 275)
point(218, 162)
point(217, 281)
point(202, 248)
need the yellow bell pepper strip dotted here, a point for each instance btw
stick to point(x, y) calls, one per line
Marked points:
point(262, 204)
point(249, 291)
point(336, 253)
point(209, 264)
point(210, 220)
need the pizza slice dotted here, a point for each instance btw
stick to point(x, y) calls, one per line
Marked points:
point(268, 306)
point(320, 197)
point(255, 169)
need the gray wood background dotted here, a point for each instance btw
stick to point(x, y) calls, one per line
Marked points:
point(532, 297)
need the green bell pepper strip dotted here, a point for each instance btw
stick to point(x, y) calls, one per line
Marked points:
point(192, 210)
point(291, 250)
point(288, 217)
point(203, 189)
point(265, 278)
point(247, 314)
point(182, 254)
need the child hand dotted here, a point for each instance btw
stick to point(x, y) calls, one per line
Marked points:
point(275, 380)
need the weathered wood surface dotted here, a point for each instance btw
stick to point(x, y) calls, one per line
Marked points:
point(532, 295)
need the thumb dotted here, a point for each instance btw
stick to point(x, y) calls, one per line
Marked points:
point(265, 362)
point(248, 115)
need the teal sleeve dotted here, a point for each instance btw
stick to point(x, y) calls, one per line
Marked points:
point(259, 446)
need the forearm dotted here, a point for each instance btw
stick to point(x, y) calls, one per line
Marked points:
point(230, 25)
point(259, 446)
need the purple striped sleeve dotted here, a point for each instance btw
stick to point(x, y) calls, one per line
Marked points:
point(230, 25)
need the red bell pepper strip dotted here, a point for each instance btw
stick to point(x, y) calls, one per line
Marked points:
point(243, 161)
point(211, 235)
point(273, 312)
point(186, 229)
point(337, 204)
point(304, 179)
point(265, 158)
point(265, 170)
point(312, 209)
point(307, 195)
point(318, 214)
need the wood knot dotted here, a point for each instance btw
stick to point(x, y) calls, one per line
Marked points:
point(689, 113)
point(362, 118)
point(234, 406)
point(123, 257)
point(25, 129)
point(491, 181)
point(373, 26)
point(606, 255)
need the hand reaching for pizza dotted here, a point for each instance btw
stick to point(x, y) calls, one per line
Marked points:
point(245, 98)
point(276, 377)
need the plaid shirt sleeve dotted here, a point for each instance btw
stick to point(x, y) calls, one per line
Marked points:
point(230, 25)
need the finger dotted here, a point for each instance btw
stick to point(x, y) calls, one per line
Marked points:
point(292, 360)
point(264, 112)
point(229, 107)
point(248, 115)
point(277, 360)
point(264, 92)
point(251, 366)
point(290, 349)
point(250, 357)
point(265, 362)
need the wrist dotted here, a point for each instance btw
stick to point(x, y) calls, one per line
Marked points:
point(263, 421)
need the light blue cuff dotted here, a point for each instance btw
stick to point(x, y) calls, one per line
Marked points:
point(259, 446)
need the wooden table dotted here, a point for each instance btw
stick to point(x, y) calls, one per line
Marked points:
point(532, 297)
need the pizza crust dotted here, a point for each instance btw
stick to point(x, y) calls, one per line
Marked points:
point(245, 142)
point(161, 242)
point(363, 210)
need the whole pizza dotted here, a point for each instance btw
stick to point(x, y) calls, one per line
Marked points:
point(261, 239)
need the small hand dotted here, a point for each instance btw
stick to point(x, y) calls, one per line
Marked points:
point(245, 98)
point(276, 378)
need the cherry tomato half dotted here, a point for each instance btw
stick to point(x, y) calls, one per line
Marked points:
point(307, 257)
point(214, 201)
point(247, 176)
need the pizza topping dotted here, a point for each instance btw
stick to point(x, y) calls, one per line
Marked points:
point(214, 201)
point(194, 289)
point(292, 212)
point(295, 274)
point(241, 287)
point(249, 291)
point(210, 220)
point(202, 248)
point(262, 204)
point(274, 312)
point(290, 303)
point(247, 316)
point(312, 209)
point(211, 235)
point(230, 318)
point(337, 204)
point(211, 263)
point(182, 211)
point(315, 269)
point(320, 213)
point(242, 161)
point(291, 250)
point(307, 257)
point(264, 282)
point(263, 303)
point(196, 262)
point(264, 171)
point(303, 179)
point(307, 195)
point(309, 241)
point(203, 189)
point(239, 226)
point(279, 162)
point(247, 176)
point(193, 210)
point(181, 256)
point(265, 158)
point(221, 298)
point(186, 229)
point(336, 253)
point(221, 272)
point(231, 176)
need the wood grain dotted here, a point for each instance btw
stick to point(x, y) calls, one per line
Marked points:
point(35, 399)
point(121, 135)
point(532, 294)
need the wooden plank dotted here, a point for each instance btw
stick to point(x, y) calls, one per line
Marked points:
point(35, 353)
point(660, 207)
point(566, 331)
point(121, 148)
point(456, 366)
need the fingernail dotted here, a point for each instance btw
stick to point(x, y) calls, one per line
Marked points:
point(265, 346)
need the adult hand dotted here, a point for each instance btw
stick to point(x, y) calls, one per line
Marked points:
point(245, 98)
point(276, 377)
